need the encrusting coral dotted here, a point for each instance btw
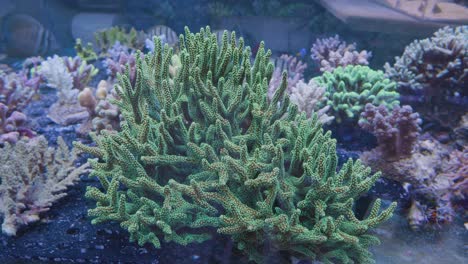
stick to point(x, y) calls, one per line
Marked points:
point(433, 73)
point(330, 53)
point(209, 151)
point(33, 177)
point(350, 88)
point(396, 131)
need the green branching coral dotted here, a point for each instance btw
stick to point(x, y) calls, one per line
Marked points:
point(207, 150)
point(350, 88)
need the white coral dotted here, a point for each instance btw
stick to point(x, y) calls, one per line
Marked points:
point(308, 98)
point(57, 75)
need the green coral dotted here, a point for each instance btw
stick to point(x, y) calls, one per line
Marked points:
point(86, 53)
point(350, 88)
point(207, 150)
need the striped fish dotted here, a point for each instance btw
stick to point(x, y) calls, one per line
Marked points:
point(170, 37)
point(24, 36)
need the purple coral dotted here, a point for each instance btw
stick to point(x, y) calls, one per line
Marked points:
point(13, 126)
point(115, 66)
point(80, 71)
point(333, 52)
point(396, 132)
point(17, 90)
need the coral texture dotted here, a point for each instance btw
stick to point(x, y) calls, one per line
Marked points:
point(436, 174)
point(332, 52)
point(349, 89)
point(396, 131)
point(308, 97)
point(33, 177)
point(209, 151)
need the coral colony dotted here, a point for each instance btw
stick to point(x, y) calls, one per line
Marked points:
point(195, 135)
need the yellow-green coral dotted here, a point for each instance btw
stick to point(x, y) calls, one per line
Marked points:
point(209, 150)
point(130, 38)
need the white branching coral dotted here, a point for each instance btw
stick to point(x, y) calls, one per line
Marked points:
point(57, 75)
point(33, 177)
point(308, 97)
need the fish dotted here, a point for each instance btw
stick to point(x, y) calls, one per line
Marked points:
point(302, 53)
point(24, 36)
point(170, 36)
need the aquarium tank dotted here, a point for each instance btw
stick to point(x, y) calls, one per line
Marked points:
point(235, 131)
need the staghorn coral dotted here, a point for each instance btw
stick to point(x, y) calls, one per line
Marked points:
point(102, 113)
point(80, 71)
point(13, 126)
point(209, 151)
point(295, 69)
point(435, 71)
point(33, 177)
point(332, 52)
point(308, 97)
point(349, 89)
point(396, 131)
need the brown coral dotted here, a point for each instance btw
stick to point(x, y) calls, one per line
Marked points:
point(396, 131)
